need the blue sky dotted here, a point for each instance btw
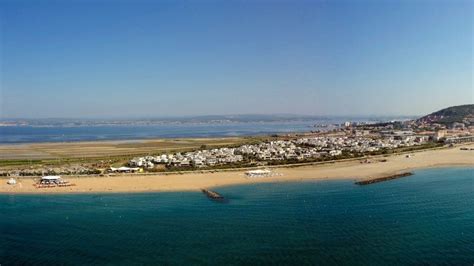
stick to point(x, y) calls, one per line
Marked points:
point(168, 58)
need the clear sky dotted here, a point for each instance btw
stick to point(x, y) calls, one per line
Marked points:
point(166, 58)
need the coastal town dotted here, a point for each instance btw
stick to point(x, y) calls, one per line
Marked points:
point(275, 152)
point(295, 150)
point(349, 140)
point(236, 132)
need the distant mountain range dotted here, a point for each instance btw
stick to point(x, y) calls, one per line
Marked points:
point(209, 119)
point(460, 114)
point(447, 116)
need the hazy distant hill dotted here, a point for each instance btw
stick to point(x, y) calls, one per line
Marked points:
point(207, 119)
point(460, 113)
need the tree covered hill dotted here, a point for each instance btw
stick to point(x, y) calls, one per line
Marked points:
point(460, 114)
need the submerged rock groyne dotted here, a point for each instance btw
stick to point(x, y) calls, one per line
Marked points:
point(213, 195)
point(382, 179)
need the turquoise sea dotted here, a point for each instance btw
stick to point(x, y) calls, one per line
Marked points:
point(425, 219)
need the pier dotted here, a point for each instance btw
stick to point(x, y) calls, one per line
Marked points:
point(382, 179)
point(213, 195)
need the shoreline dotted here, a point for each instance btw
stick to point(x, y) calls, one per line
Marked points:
point(175, 182)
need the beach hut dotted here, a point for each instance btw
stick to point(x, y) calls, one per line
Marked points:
point(124, 169)
point(258, 173)
point(50, 179)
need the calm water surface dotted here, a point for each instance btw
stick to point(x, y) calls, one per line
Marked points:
point(427, 218)
point(28, 134)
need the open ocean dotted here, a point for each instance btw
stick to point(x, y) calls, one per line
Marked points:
point(425, 219)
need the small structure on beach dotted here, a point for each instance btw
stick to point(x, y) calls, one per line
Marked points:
point(11, 181)
point(53, 181)
point(50, 178)
point(124, 169)
point(259, 173)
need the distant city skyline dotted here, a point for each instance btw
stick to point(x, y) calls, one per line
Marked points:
point(113, 59)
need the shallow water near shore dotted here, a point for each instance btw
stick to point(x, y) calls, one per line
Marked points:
point(427, 218)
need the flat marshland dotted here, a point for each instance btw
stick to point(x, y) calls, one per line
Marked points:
point(11, 154)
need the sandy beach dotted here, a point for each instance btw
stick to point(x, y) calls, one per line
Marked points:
point(194, 181)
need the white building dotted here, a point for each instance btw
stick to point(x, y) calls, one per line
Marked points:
point(258, 173)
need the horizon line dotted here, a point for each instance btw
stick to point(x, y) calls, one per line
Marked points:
point(138, 117)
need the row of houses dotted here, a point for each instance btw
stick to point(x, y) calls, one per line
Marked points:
point(297, 149)
point(363, 144)
point(199, 158)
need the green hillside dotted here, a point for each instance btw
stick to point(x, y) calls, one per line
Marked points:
point(460, 113)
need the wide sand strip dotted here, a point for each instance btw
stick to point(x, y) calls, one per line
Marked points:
point(195, 181)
